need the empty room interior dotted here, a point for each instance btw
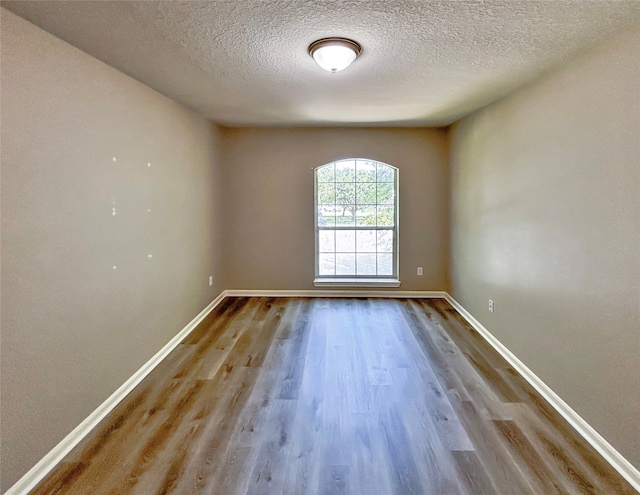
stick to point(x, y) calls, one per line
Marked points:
point(301, 246)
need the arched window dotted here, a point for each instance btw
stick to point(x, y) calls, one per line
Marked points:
point(356, 221)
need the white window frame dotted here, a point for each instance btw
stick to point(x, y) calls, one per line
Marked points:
point(358, 280)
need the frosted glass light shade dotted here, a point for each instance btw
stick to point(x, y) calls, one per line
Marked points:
point(334, 54)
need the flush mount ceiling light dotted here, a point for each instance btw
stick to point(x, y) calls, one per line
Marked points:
point(334, 54)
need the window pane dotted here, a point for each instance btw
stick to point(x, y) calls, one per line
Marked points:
point(385, 173)
point(366, 193)
point(327, 173)
point(327, 264)
point(326, 193)
point(385, 216)
point(346, 171)
point(326, 216)
point(365, 171)
point(356, 194)
point(366, 215)
point(345, 215)
point(385, 264)
point(366, 241)
point(366, 264)
point(345, 241)
point(346, 264)
point(345, 193)
point(385, 193)
point(385, 241)
point(326, 241)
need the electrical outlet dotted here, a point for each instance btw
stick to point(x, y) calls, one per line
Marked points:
point(210, 280)
point(420, 270)
point(490, 306)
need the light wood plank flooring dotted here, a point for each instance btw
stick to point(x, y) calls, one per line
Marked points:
point(333, 396)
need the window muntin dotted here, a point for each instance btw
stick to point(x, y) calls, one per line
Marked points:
point(356, 219)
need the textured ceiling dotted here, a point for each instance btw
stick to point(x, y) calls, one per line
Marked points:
point(245, 62)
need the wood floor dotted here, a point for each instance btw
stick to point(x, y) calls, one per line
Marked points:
point(333, 396)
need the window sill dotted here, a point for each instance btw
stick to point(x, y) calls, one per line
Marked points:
point(356, 282)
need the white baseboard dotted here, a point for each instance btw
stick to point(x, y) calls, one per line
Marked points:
point(606, 450)
point(49, 461)
point(55, 455)
point(423, 294)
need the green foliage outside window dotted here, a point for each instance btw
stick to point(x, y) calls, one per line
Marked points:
point(351, 193)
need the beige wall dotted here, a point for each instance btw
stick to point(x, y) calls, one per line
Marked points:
point(73, 328)
point(546, 222)
point(269, 201)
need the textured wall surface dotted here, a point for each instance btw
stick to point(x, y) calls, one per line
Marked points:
point(425, 62)
point(546, 222)
point(269, 241)
point(73, 327)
